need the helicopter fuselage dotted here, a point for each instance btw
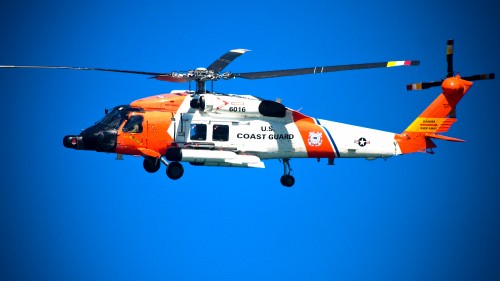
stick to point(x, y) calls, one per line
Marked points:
point(227, 130)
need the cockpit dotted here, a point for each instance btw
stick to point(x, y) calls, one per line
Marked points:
point(117, 115)
point(102, 136)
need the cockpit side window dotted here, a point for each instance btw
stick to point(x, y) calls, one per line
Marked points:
point(134, 124)
point(198, 132)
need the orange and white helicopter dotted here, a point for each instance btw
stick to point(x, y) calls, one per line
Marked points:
point(213, 129)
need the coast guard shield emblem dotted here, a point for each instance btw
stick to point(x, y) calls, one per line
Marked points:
point(315, 138)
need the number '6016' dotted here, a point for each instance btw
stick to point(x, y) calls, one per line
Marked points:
point(237, 109)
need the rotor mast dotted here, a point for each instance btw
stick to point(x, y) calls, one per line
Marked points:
point(212, 72)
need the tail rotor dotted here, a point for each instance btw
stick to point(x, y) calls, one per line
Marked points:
point(450, 73)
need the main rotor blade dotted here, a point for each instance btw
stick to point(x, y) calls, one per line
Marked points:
point(320, 69)
point(83, 68)
point(218, 65)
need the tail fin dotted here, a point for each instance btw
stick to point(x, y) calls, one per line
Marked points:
point(436, 118)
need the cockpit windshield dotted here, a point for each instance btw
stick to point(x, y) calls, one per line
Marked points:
point(116, 117)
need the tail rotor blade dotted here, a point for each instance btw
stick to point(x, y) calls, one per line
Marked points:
point(486, 76)
point(422, 85)
point(449, 58)
point(453, 113)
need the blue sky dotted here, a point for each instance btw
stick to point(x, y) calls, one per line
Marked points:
point(79, 215)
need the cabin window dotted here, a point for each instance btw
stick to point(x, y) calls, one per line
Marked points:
point(198, 132)
point(220, 133)
point(134, 124)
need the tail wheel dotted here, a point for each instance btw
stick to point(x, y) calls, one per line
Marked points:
point(175, 170)
point(287, 180)
point(151, 165)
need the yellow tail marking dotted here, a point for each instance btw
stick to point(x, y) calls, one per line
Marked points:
point(434, 125)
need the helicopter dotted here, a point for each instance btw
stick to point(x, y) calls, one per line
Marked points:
point(205, 128)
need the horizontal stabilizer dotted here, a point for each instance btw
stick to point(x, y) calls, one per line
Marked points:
point(441, 137)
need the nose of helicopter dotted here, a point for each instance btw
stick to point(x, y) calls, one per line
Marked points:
point(94, 138)
point(72, 141)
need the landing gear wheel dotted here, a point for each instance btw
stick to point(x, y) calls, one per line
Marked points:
point(287, 180)
point(175, 170)
point(151, 165)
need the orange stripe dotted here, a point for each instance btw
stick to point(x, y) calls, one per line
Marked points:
point(314, 136)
